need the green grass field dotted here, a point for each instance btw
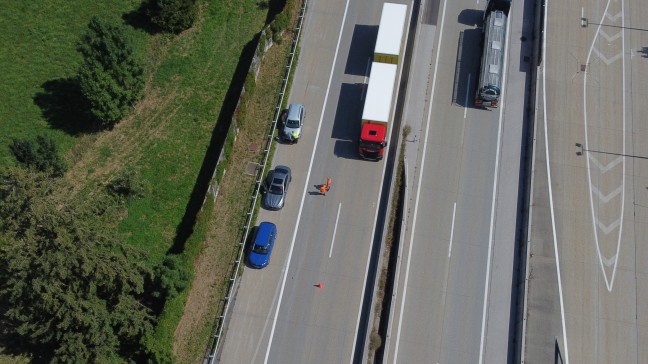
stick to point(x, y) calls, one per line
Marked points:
point(38, 40)
point(166, 136)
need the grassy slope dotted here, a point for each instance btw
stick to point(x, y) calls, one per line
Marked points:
point(166, 136)
point(197, 72)
point(38, 39)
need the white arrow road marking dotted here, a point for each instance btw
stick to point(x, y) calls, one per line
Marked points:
point(607, 167)
point(608, 197)
point(608, 61)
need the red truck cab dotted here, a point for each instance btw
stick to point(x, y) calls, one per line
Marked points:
point(372, 141)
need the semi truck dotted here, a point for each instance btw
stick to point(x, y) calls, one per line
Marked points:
point(377, 110)
point(489, 88)
point(382, 82)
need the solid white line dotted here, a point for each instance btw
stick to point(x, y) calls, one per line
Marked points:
point(466, 102)
point(494, 201)
point(551, 203)
point(301, 205)
point(418, 188)
point(454, 209)
point(335, 229)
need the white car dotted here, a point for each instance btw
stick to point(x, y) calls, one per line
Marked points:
point(293, 122)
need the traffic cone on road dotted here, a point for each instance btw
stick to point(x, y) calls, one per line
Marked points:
point(319, 285)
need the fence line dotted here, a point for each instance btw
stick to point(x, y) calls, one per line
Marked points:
point(220, 323)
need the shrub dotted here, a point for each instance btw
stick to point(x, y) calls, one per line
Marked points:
point(173, 16)
point(40, 154)
point(127, 185)
point(281, 22)
point(250, 83)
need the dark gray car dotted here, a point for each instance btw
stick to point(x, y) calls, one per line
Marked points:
point(275, 187)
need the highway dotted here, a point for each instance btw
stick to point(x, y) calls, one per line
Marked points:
point(587, 298)
point(454, 297)
point(279, 315)
point(455, 290)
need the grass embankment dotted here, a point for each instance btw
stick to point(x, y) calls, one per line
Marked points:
point(214, 265)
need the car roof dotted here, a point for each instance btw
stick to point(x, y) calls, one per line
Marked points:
point(293, 111)
point(265, 229)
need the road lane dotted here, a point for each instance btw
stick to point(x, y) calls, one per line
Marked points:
point(448, 313)
point(317, 324)
point(598, 189)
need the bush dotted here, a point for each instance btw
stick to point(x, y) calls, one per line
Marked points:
point(173, 16)
point(281, 22)
point(127, 185)
point(171, 277)
point(111, 77)
point(250, 83)
point(40, 154)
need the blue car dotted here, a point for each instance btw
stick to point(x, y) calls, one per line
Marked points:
point(264, 240)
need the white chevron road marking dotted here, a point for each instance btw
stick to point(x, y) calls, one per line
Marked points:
point(609, 196)
point(609, 38)
point(608, 61)
point(596, 224)
point(608, 228)
point(608, 262)
point(607, 167)
point(614, 17)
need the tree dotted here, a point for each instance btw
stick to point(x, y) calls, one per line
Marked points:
point(173, 16)
point(67, 286)
point(171, 278)
point(41, 154)
point(111, 76)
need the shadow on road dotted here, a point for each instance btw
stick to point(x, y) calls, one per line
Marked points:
point(361, 51)
point(346, 123)
point(467, 67)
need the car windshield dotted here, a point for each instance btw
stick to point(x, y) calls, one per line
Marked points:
point(260, 249)
point(292, 123)
point(370, 145)
point(276, 189)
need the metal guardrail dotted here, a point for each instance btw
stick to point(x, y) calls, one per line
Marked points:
point(220, 323)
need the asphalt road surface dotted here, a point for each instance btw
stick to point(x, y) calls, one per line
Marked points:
point(588, 268)
point(455, 294)
point(279, 315)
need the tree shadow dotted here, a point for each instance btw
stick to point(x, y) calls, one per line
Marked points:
point(274, 7)
point(64, 107)
point(138, 19)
